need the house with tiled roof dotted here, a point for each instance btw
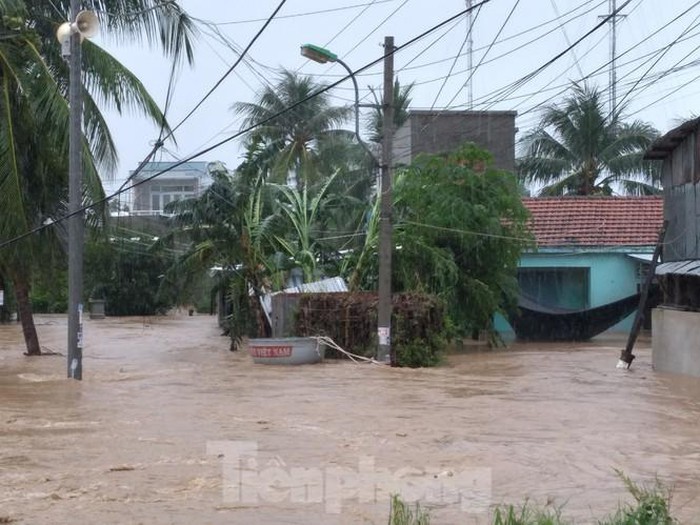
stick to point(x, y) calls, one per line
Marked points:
point(589, 251)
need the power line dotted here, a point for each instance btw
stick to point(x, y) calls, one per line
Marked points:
point(483, 57)
point(228, 72)
point(307, 13)
point(527, 78)
point(454, 62)
point(241, 132)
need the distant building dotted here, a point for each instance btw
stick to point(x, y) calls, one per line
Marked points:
point(439, 131)
point(181, 181)
point(676, 323)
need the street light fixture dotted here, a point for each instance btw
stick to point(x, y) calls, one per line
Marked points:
point(384, 306)
point(323, 56)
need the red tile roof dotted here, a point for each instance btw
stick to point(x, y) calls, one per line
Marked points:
point(595, 221)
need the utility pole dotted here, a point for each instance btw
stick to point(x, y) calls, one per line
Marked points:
point(76, 228)
point(613, 55)
point(470, 55)
point(384, 307)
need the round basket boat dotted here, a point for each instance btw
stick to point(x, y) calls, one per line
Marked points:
point(286, 350)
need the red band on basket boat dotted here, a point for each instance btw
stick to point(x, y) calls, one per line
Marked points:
point(271, 351)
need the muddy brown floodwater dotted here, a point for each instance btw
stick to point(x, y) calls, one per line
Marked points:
point(169, 427)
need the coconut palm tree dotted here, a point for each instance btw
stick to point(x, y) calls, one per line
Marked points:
point(402, 101)
point(579, 148)
point(295, 145)
point(34, 119)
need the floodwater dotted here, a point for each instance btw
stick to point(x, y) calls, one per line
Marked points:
point(169, 427)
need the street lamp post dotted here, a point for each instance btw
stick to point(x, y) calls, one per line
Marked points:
point(83, 24)
point(76, 227)
point(384, 307)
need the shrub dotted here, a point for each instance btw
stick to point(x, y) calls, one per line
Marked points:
point(401, 513)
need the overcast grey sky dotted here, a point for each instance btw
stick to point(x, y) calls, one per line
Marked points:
point(658, 60)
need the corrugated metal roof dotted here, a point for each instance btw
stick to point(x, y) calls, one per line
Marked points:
point(330, 285)
point(691, 267)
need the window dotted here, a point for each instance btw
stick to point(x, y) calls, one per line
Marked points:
point(556, 287)
point(163, 194)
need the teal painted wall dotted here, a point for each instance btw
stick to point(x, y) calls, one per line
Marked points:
point(613, 276)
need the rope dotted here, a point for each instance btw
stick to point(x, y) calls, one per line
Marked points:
point(355, 358)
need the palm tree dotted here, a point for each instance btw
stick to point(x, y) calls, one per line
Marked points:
point(580, 149)
point(230, 226)
point(34, 119)
point(402, 101)
point(289, 145)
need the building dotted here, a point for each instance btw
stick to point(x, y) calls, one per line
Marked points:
point(181, 181)
point(590, 252)
point(442, 131)
point(676, 323)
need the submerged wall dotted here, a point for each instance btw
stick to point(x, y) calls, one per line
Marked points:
point(675, 341)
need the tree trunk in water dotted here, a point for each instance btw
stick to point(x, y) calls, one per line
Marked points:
point(24, 307)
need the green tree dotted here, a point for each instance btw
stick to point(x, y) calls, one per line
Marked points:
point(34, 119)
point(230, 227)
point(306, 143)
point(580, 149)
point(461, 226)
point(300, 213)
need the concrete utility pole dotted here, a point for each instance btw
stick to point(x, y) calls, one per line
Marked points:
point(384, 349)
point(470, 55)
point(76, 228)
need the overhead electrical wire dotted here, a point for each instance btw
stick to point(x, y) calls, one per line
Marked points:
point(505, 39)
point(527, 78)
point(454, 62)
point(483, 57)
point(377, 27)
point(162, 139)
point(307, 13)
point(230, 70)
point(189, 158)
point(627, 51)
point(620, 103)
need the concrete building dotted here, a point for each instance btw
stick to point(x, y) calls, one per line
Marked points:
point(442, 131)
point(676, 323)
point(187, 180)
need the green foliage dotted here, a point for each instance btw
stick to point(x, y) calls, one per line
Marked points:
point(419, 352)
point(306, 141)
point(461, 227)
point(231, 226)
point(34, 119)
point(402, 513)
point(527, 515)
point(50, 292)
point(652, 505)
point(580, 149)
point(127, 275)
